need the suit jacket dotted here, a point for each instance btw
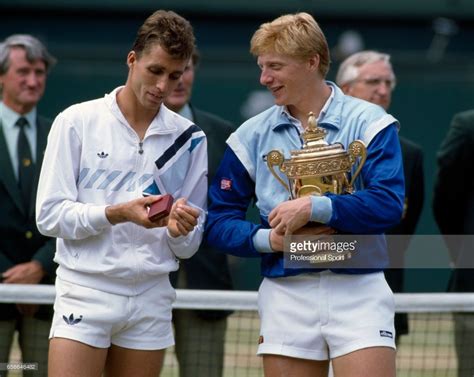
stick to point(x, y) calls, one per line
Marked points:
point(414, 196)
point(453, 199)
point(209, 268)
point(20, 240)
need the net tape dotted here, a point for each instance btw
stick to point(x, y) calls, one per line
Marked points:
point(247, 300)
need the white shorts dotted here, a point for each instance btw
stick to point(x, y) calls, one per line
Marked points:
point(99, 319)
point(320, 316)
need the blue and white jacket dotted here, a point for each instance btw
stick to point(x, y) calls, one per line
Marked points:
point(94, 159)
point(243, 176)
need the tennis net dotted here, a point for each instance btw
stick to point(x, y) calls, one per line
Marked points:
point(428, 349)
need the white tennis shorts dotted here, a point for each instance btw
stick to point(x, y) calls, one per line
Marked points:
point(99, 319)
point(320, 316)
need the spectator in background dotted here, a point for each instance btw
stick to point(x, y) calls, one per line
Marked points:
point(112, 310)
point(26, 256)
point(453, 206)
point(200, 334)
point(369, 75)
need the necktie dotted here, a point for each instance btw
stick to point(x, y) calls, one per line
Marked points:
point(25, 164)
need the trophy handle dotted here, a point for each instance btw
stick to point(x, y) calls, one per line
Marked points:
point(276, 158)
point(357, 149)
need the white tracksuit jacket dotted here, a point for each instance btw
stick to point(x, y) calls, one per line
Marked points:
point(93, 160)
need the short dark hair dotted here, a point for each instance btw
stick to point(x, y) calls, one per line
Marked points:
point(169, 30)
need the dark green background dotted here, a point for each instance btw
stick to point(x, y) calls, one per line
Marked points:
point(91, 40)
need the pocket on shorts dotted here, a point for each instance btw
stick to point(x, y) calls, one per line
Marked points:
point(62, 287)
point(389, 292)
point(162, 292)
point(384, 294)
point(261, 295)
point(172, 291)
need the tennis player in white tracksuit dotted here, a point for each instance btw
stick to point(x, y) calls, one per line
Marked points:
point(94, 159)
point(106, 161)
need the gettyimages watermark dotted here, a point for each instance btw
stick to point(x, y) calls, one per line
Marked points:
point(321, 250)
point(368, 251)
point(318, 251)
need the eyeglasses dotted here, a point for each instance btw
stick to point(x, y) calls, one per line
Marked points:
point(377, 81)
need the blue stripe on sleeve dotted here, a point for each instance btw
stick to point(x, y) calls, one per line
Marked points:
point(175, 147)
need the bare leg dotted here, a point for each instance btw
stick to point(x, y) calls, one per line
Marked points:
point(367, 362)
point(126, 362)
point(283, 366)
point(69, 358)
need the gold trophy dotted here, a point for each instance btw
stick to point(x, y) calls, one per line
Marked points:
point(318, 167)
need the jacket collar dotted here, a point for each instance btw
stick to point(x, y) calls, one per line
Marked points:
point(330, 115)
point(163, 123)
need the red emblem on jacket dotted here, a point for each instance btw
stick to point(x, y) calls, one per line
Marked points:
point(226, 184)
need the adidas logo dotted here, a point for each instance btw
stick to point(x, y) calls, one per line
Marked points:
point(71, 320)
point(102, 154)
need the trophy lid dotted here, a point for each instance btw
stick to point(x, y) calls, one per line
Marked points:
point(313, 134)
point(314, 146)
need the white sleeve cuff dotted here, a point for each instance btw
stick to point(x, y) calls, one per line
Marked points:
point(321, 209)
point(176, 241)
point(261, 241)
point(97, 217)
point(184, 247)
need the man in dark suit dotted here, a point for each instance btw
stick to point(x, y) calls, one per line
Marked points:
point(26, 257)
point(369, 75)
point(200, 335)
point(453, 207)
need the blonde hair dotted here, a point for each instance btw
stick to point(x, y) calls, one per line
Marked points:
point(297, 35)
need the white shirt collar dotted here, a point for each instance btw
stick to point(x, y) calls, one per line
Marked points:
point(161, 123)
point(10, 117)
point(321, 115)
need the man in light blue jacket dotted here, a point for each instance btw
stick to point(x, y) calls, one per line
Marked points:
point(310, 316)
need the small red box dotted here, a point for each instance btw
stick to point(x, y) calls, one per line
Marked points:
point(161, 208)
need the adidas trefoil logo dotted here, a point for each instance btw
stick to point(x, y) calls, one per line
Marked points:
point(102, 154)
point(71, 320)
